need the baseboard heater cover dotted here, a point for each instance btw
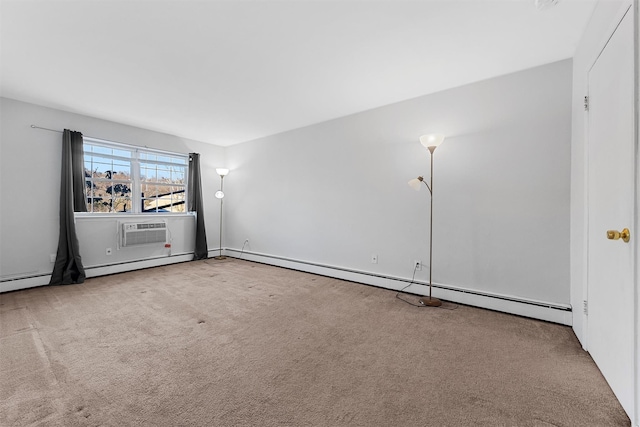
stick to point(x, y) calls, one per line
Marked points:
point(143, 233)
point(42, 279)
point(557, 313)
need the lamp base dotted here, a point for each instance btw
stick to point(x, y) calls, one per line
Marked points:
point(220, 257)
point(430, 302)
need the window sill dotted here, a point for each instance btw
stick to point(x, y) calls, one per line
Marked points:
point(131, 215)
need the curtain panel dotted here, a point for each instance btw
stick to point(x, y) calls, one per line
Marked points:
point(68, 267)
point(194, 196)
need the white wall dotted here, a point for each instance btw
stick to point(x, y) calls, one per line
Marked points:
point(605, 17)
point(30, 188)
point(336, 192)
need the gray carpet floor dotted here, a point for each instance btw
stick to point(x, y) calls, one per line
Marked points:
point(235, 343)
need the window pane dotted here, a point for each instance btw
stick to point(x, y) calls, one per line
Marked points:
point(101, 167)
point(98, 205)
point(178, 206)
point(122, 153)
point(89, 187)
point(148, 156)
point(119, 190)
point(100, 189)
point(122, 166)
point(121, 175)
point(148, 172)
point(179, 160)
point(164, 198)
point(178, 200)
point(150, 190)
point(177, 177)
point(164, 174)
point(101, 150)
point(120, 204)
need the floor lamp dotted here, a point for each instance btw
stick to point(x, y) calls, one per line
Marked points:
point(431, 142)
point(220, 195)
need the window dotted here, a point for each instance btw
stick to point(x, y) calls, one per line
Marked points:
point(125, 178)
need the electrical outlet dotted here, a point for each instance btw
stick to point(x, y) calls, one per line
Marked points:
point(52, 257)
point(108, 251)
point(417, 265)
point(374, 259)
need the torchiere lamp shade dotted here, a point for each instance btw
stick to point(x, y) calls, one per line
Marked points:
point(431, 140)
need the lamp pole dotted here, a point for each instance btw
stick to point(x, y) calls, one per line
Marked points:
point(430, 142)
point(220, 195)
point(221, 210)
point(431, 302)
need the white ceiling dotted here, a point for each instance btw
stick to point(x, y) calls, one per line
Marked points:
point(225, 72)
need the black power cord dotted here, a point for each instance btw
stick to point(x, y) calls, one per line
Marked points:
point(415, 268)
point(243, 245)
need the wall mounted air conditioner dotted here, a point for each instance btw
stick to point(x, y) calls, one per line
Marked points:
point(144, 233)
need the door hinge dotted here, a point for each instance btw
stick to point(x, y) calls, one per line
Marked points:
point(585, 307)
point(586, 103)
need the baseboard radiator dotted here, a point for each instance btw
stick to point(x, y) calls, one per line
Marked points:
point(551, 312)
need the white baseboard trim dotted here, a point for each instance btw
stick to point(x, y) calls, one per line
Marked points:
point(25, 282)
point(542, 310)
point(43, 279)
point(104, 270)
point(551, 312)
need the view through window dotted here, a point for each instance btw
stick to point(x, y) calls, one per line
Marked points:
point(126, 178)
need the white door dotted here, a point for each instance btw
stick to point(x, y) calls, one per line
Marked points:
point(610, 318)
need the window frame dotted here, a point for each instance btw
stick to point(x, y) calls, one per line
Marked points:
point(139, 156)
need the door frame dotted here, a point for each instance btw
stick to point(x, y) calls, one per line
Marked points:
point(636, 52)
point(633, 7)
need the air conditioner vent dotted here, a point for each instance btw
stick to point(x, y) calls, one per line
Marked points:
point(143, 233)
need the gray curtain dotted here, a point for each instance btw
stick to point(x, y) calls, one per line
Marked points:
point(77, 170)
point(68, 266)
point(194, 197)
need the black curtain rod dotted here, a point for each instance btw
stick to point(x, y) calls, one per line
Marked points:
point(105, 140)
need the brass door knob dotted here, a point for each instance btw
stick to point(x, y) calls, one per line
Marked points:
point(625, 235)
